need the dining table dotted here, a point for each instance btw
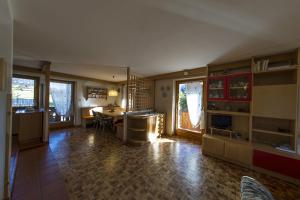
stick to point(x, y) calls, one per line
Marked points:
point(115, 114)
point(87, 117)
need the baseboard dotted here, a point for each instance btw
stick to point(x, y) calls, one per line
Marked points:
point(28, 146)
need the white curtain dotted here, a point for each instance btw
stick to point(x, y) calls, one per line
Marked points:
point(194, 91)
point(61, 94)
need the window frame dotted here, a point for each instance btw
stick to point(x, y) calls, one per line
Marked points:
point(36, 89)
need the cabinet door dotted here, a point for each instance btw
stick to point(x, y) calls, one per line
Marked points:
point(240, 153)
point(216, 88)
point(239, 87)
point(213, 146)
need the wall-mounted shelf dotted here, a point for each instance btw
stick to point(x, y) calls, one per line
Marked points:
point(291, 68)
point(228, 112)
point(99, 93)
point(236, 88)
point(281, 152)
point(225, 133)
point(216, 88)
point(273, 132)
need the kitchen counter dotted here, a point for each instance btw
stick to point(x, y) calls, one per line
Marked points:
point(28, 125)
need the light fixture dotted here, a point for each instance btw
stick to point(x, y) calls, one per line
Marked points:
point(112, 93)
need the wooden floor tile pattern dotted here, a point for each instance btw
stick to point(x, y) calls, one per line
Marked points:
point(96, 166)
point(92, 165)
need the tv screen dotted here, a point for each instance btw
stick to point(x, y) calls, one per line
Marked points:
point(221, 121)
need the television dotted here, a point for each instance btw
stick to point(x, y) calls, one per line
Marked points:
point(221, 121)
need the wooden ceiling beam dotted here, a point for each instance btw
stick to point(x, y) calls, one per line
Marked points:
point(27, 69)
point(59, 74)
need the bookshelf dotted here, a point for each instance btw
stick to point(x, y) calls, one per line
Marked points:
point(275, 101)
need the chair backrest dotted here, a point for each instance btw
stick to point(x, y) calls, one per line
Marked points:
point(96, 114)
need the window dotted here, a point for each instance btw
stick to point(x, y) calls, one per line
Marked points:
point(24, 91)
point(61, 101)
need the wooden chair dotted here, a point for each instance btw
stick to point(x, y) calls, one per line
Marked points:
point(105, 121)
point(96, 120)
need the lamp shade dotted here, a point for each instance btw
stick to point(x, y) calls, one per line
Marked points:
point(112, 93)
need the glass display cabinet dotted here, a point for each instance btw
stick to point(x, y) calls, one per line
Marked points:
point(216, 88)
point(239, 87)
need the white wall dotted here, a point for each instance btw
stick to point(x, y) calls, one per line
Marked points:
point(166, 103)
point(6, 48)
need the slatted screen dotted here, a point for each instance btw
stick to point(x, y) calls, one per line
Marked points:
point(140, 93)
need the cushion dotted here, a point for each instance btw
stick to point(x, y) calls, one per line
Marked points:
point(253, 190)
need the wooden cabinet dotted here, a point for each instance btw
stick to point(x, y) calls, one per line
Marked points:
point(265, 108)
point(28, 126)
point(239, 152)
point(283, 164)
point(212, 145)
point(235, 151)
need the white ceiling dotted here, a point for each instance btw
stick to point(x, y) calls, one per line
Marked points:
point(98, 38)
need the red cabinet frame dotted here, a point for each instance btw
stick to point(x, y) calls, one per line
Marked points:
point(226, 91)
point(276, 163)
point(248, 76)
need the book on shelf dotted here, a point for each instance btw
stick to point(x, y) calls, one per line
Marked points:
point(261, 66)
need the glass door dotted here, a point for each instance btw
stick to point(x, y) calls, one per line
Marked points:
point(216, 88)
point(61, 102)
point(239, 87)
point(189, 106)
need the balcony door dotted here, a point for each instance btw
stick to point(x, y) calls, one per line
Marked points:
point(61, 104)
point(190, 107)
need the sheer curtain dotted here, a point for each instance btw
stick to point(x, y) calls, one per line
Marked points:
point(61, 94)
point(194, 91)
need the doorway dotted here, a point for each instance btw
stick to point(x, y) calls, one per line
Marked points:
point(61, 104)
point(190, 108)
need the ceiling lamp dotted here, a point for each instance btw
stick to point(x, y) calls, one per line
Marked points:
point(112, 93)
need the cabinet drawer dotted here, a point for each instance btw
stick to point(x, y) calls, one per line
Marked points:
point(238, 152)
